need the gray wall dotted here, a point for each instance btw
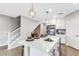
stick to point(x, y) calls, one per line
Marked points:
point(8, 23)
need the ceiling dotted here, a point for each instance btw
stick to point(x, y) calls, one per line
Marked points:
point(16, 9)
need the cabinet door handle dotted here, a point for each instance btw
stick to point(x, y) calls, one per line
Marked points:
point(53, 54)
point(53, 51)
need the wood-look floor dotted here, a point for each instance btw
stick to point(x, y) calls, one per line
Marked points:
point(65, 51)
point(12, 52)
point(69, 51)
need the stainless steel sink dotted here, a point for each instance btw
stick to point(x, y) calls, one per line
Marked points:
point(48, 39)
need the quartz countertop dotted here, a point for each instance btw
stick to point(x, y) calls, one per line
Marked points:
point(40, 43)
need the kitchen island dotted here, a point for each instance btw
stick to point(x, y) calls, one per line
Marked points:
point(40, 47)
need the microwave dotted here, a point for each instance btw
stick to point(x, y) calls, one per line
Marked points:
point(50, 29)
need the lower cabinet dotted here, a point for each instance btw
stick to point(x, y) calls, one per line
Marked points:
point(34, 51)
point(37, 51)
point(54, 50)
point(63, 39)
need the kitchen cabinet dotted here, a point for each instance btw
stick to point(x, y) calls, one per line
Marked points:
point(36, 51)
point(54, 50)
point(63, 38)
point(39, 47)
point(60, 24)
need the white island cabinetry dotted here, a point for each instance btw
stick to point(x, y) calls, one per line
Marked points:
point(39, 47)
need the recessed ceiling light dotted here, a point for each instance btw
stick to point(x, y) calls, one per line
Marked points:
point(50, 10)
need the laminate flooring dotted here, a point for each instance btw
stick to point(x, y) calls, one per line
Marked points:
point(12, 52)
point(69, 51)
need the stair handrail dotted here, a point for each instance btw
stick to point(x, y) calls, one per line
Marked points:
point(12, 40)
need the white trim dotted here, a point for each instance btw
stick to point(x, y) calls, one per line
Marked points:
point(10, 41)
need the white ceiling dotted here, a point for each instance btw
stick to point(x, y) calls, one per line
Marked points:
point(15, 9)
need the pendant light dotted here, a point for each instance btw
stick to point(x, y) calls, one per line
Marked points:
point(32, 11)
point(47, 15)
point(46, 20)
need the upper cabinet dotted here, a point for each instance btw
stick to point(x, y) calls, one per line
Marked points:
point(60, 23)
